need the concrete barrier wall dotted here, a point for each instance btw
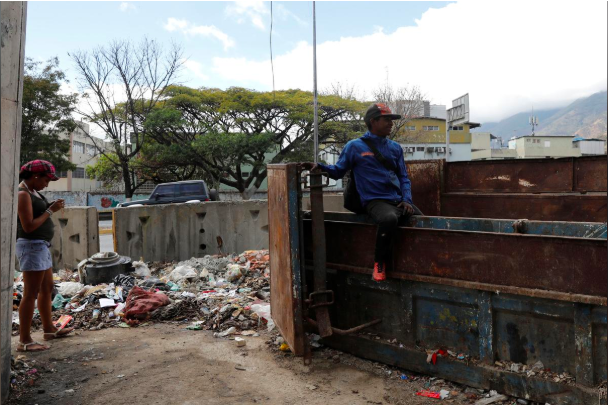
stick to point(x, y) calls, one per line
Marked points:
point(176, 232)
point(107, 201)
point(13, 15)
point(71, 198)
point(76, 236)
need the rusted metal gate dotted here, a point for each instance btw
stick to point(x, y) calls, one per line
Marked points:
point(285, 261)
point(566, 189)
point(497, 290)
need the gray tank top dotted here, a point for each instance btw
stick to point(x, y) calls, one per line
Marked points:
point(47, 229)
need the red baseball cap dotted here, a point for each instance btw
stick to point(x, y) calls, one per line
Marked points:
point(380, 110)
point(40, 166)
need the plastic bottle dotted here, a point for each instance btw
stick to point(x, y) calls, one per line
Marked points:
point(96, 313)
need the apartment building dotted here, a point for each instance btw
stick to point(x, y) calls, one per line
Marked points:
point(83, 152)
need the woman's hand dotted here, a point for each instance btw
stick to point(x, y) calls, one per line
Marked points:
point(57, 205)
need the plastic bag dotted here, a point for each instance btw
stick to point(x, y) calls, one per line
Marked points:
point(263, 310)
point(234, 273)
point(183, 272)
point(69, 289)
point(141, 269)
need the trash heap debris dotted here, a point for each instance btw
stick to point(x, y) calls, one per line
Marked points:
point(226, 294)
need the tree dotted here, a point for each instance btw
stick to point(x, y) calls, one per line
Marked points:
point(221, 132)
point(46, 113)
point(408, 101)
point(122, 83)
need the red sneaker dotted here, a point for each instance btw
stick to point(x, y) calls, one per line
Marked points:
point(379, 274)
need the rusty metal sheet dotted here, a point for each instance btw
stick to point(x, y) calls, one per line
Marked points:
point(590, 207)
point(590, 174)
point(525, 261)
point(284, 246)
point(427, 180)
point(519, 176)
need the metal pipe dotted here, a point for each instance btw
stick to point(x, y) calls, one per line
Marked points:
point(341, 332)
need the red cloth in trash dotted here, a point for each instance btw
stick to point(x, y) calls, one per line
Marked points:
point(140, 303)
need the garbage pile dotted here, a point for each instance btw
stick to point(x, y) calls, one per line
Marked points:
point(226, 294)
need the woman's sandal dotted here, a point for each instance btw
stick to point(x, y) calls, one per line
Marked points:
point(58, 334)
point(24, 347)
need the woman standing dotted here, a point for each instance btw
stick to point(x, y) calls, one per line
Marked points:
point(35, 231)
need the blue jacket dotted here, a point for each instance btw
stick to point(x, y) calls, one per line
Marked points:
point(373, 180)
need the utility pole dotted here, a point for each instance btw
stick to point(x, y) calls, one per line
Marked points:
point(314, 69)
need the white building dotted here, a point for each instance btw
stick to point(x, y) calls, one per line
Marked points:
point(83, 152)
point(590, 146)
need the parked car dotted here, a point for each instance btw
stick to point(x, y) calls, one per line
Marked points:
point(177, 192)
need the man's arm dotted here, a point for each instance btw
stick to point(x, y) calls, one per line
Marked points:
point(404, 180)
point(344, 163)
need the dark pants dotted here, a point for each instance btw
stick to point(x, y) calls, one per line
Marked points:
point(387, 215)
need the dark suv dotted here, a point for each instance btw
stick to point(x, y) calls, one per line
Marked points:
point(177, 192)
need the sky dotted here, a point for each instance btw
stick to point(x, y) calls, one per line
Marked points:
point(509, 56)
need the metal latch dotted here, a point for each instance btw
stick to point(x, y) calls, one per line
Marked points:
point(311, 302)
point(307, 186)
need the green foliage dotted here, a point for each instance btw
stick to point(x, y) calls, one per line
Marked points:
point(45, 114)
point(106, 169)
point(220, 132)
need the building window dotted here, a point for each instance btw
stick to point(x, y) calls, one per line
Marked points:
point(430, 128)
point(62, 174)
point(420, 149)
point(411, 128)
point(78, 147)
point(78, 173)
point(458, 128)
point(547, 144)
point(91, 150)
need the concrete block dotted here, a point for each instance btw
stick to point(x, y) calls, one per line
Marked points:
point(76, 236)
point(182, 231)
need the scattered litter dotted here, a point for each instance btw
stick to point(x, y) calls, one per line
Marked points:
point(444, 394)
point(404, 377)
point(492, 399)
point(284, 347)
point(141, 269)
point(69, 289)
point(120, 376)
point(239, 367)
point(311, 387)
point(107, 302)
point(429, 394)
point(240, 342)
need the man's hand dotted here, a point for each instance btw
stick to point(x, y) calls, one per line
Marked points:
point(310, 166)
point(407, 208)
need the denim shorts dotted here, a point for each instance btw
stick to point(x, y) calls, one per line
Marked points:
point(34, 255)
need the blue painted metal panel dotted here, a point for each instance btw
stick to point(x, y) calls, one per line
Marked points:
point(549, 228)
point(484, 325)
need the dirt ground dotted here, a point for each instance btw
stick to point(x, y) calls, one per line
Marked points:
point(166, 364)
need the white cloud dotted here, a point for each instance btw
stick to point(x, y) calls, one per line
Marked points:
point(509, 56)
point(190, 29)
point(253, 11)
point(258, 13)
point(196, 68)
point(126, 6)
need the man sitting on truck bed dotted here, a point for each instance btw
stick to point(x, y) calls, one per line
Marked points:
point(385, 194)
